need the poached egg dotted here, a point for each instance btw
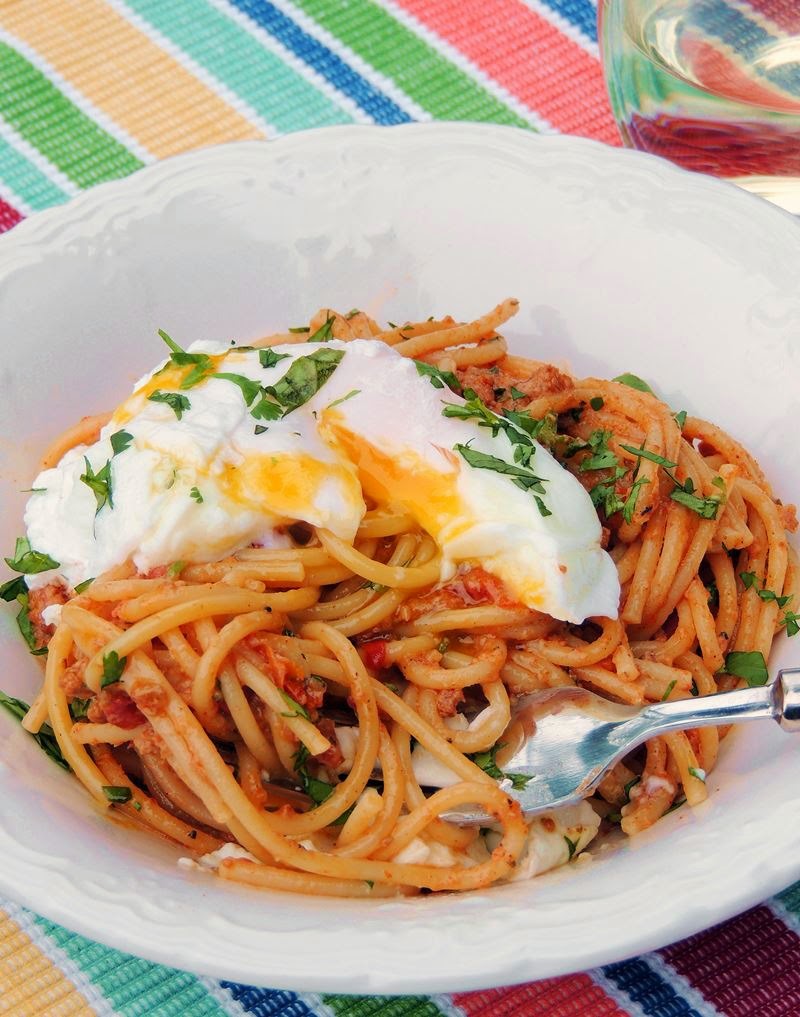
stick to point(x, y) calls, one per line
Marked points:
point(197, 468)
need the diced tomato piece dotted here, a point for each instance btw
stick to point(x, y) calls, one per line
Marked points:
point(374, 653)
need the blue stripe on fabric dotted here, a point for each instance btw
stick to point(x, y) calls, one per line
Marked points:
point(649, 990)
point(580, 13)
point(267, 1002)
point(324, 61)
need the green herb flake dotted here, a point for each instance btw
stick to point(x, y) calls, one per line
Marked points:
point(749, 665)
point(260, 429)
point(654, 457)
point(296, 709)
point(120, 440)
point(113, 666)
point(82, 587)
point(79, 708)
point(201, 364)
point(117, 795)
point(597, 403)
point(304, 379)
point(297, 330)
point(177, 403)
point(14, 588)
point(791, 621)
point(630, 786)
point(99, 484)
point(437, 378)
point(269, 358)
point(325, 332)
point(44, 738)
point(370, 883)
point(28, 561)
point(344, 398)
point(634, 381)
point(629, 505)
point(668, 690)
point(196, 495)
point(572, 847)
point(516, 394)
point(250, 389)
point(697, 773)
point(488, 763)
point(680, 419)
point(175, 569)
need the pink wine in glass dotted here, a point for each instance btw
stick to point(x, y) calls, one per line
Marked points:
point(713, 85)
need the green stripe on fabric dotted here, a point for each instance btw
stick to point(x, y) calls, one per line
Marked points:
point(135, 988)
point(275, 91)
point(790, 898)
point(417, 68)
point(382, 1006)
point(26, 180)
point(45, 118)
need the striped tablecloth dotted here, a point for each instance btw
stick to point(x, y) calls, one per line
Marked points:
point(91, 90)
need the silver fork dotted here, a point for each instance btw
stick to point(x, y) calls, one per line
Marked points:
point(566, 739)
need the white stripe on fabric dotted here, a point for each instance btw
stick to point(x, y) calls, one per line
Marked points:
point(86, 106)
point(239, 105)
point(93, 996)
point(315, 1004)
point(11, 197)
point(456, 57)
point(622, 999)
point(681, 985)
point(33, 155)
point(784, 914)
point(448, 1007)
point(366, 70)
point(291, 59)
point(223, 996)
point(564, 26)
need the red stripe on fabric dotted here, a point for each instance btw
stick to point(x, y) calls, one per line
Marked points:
point(529, 57)
point(574, 996)
point(783, 13)
point(8, 216)
point(746, 967)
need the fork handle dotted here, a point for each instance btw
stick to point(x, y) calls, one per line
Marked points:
point(780, 700)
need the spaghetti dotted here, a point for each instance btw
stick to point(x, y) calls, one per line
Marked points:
point(268, 708)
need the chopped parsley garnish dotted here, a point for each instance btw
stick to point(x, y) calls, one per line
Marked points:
point(751, 583)
point(344, 398)
point(697, 773)
point(117, 795)
point(597, 403)
point(44, 738)
point(296, 709)
point(443, 645)
point(516, 394)
point(120, 440)
point(17, 589)
point(79, 708)
point(195, 493)
point(680, 418)
point(668, 690)
point(749, 665)
point(630, 786)
point(260, 429)
point(684, 492)
point(175, 569)
point(303, 380)
point(177, 403)
point(113, 666)
point(633, 381)
point(572, 847)
point(437, 378)
point(488, 763)
point(324, 332)
point(100, 484)
point(792, 622)
point(201, 363)
point(81, 587)
point(604, 495)
point(629, 505)
point(601, 457)
point(13, 588)
point(298, 329)
point(269, 358)
point(28, 561)
point(522, 477)
point(250, 389)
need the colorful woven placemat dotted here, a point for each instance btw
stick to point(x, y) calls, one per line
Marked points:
point(91, 90)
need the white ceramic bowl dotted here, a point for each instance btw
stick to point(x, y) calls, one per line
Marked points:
point(621, 262)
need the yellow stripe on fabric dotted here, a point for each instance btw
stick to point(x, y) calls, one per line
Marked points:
point(30, 984)
point(125, 75)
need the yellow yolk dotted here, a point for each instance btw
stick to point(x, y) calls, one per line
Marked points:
point(287, 482)
point(168, 379)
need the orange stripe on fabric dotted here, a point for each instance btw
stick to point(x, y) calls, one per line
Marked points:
point(126, 75)
point(573, 996)
point(30, 983)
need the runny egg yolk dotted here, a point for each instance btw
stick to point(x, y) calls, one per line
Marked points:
point(168, 379)
point(287, 482)
point(403, 479)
